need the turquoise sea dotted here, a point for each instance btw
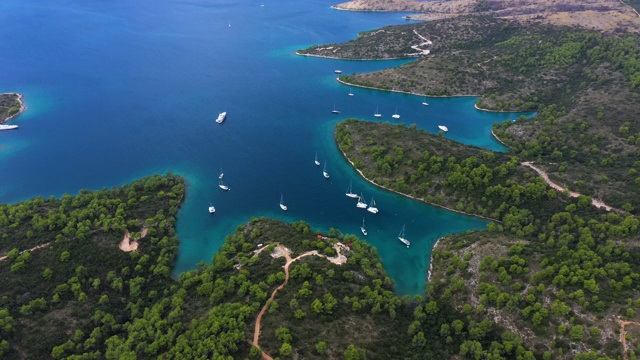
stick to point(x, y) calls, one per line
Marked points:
point(117, 90)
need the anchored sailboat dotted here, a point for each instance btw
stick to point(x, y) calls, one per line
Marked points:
point(396, 115)
point(223, 186)
point(211, 208)
point(282, 205)
point(377, 114)
point(335, 111)
point(361, 203)
point(350, 193)
point(401, 237)
point(324, 171)
point(316, 160)
point(221, 174)
point(364, 231)
point(372, 207)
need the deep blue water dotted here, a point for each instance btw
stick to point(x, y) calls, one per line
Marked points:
point(122, 89)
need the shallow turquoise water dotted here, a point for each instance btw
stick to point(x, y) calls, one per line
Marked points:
point(119, 90)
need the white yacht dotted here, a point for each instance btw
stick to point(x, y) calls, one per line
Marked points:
point(443, 128)
point(223, 186)
point(372, 207)
point(282, 205)
point(364, 231)
point(221, 174)
point(221, 117)
point(337, 71)
point(212, 209)
point(396, 115)
point(401, 237)
point(8, 127)
point(350, 193)
point(324, 171)
point(316, 160)
point(377, 114)
point(425, 103)
point(335, 111)
point(361, 203)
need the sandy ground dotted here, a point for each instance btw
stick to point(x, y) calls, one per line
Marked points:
point(127, 244)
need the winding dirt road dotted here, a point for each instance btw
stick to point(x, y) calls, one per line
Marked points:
point(595, 202)
point(281, 250)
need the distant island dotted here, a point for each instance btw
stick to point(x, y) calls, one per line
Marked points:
point(612, 16)
point(11, 105)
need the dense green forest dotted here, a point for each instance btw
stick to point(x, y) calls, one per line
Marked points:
point(68, 291)
point(555, 270)
point(584, 86)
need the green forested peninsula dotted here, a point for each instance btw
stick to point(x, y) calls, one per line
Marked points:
point(557, 272)
point(585, 86)
point(67, 290)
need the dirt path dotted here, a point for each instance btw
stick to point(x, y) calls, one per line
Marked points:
point(33, 248)
point(623, 336)
point(418, 47)
point(595, 202)
point(280, 251)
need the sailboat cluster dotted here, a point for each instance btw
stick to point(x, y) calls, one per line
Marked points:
point(361, 204)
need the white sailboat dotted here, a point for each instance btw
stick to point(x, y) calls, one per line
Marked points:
point(212, 209)
point(316, 160)
point(372, 207)
point(401, 237)
point(335, 111)
point(223, 186)
point(364, 231)
point(350, 92)
point(350, 193)
point(396, 115)
point(221, 174)
point(425, 103)
point(361, 203)
point(443, 128)
point(282, 205)
point(377, 114)
point(324, 171)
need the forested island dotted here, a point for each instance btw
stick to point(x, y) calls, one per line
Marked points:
point(11, 105)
